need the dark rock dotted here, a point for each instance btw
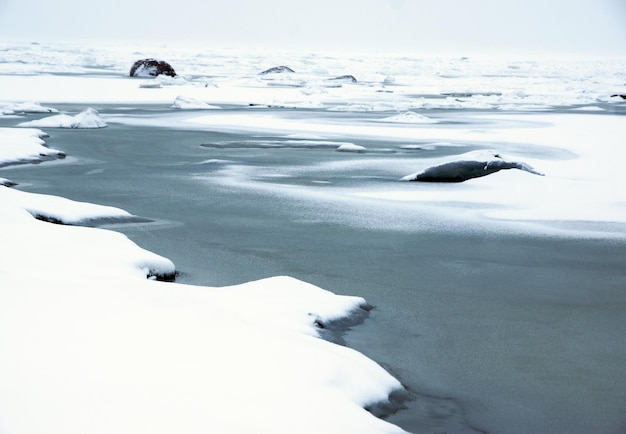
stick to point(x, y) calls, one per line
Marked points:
point(277, 70)
point(621, 95)
point(349, 78)
point(151, 68)
point(459, 171)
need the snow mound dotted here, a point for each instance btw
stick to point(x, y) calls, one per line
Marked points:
point(88, 118)
point(185, 103)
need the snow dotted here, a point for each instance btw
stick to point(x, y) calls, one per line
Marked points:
point(24, 145)
point(91, 345)
point(36, 73)
point(90, 338)
point(88, 118)
point(60, 209)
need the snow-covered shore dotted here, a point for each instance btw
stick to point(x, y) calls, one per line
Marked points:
point(91, 345)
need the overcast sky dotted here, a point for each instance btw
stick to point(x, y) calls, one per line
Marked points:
point(413, 26)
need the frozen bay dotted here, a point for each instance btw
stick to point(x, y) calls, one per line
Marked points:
point(498, 301)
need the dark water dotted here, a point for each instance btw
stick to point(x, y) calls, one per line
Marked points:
point(490, 330)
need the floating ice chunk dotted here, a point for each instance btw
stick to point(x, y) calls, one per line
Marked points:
point(88, 118)
point(409, 117)
point(185, 103)
point(351, 147)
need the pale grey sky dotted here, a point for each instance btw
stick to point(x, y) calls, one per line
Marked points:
point(417, 26)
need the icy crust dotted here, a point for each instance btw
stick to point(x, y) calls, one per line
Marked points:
point(25, 146)
point(91, 345)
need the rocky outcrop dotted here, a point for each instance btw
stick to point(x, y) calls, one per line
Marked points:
point(151, 68)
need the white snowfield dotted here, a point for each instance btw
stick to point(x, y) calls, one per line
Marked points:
point(89, 344)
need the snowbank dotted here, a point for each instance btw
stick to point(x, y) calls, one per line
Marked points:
point(88, 118)
point(91, 345)
point(59, 209)
point(24, 145)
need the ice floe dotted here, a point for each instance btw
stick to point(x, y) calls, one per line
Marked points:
point(184, 103)
point(88, 118)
